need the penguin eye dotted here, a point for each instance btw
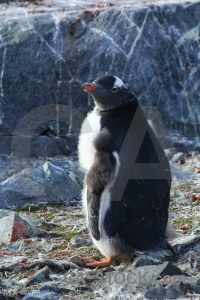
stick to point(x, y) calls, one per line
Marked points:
point(114, 89)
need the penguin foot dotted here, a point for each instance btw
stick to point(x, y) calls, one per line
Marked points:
point(100, 264)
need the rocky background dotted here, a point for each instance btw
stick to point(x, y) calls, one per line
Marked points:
point(46, 52)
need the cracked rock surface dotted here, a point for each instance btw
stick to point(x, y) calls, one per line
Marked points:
point(47, 52)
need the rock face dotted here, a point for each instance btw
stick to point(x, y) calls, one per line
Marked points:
point(45, 184)
point(44, 58)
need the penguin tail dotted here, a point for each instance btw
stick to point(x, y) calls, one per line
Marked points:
point(167, 253)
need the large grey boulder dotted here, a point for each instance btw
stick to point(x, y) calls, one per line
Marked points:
point(45, 184)
point(44, 58)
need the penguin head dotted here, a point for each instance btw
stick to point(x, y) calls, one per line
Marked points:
point(110, 92)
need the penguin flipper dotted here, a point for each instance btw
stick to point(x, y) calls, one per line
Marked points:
point(97, 178)
point(93, 204)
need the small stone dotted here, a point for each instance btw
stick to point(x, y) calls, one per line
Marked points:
point(154, 272)
point(174, 291)
point(59, 266)
point(18, 268)
point(41, 276)
point(192, 283)
point(17, 246)
point(41, 296)
point(78, 241)
point(56, 289)
point(54, 265)
point(76, 260)
point(144, 261)
point(178, 157)
point(169, 269)
point(170, 153)
point(10, 263)
point(188, 243)
point(155, 293)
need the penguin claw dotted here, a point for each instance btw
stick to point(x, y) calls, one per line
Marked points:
point(100, 264)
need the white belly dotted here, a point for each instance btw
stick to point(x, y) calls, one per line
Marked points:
point(90, 129)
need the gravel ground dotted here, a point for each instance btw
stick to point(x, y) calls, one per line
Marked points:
point(51, 268)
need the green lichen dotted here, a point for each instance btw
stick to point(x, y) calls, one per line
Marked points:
point(186, 221)
point(41, 208)
point(69, 235)
point(32, 208)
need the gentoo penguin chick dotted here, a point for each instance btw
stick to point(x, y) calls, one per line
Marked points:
point(127, 175)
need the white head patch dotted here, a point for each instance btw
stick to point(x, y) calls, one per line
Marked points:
point(118, 82)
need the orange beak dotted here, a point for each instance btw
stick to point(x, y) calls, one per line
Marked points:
point(89, 87)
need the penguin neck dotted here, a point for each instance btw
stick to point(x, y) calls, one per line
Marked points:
point(128, 107)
